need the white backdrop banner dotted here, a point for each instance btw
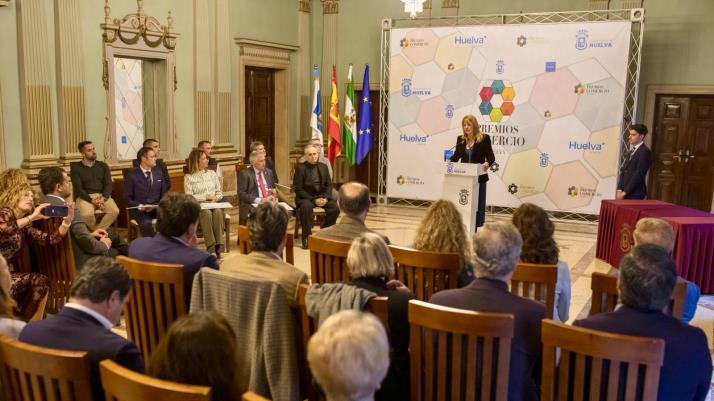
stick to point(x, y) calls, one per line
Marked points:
point(550, 96)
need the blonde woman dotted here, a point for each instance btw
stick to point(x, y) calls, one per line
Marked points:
point(441, 230)
point(204, 185)
point(473, 146)
point(9, 325)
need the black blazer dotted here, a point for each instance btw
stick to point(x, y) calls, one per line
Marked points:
point(633, 174)
point(137, 189)
point(248, 188)
point(303, 185)
point(484, 295)
point(160, 164)
point(687, 368)
point(75, 330)
point(480, 153)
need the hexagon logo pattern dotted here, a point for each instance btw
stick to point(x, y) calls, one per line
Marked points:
point(497, 100)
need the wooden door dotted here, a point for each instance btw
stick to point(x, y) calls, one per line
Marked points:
point(683, 151)
point(260, 108)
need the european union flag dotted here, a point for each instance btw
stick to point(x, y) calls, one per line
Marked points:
point(365, 136)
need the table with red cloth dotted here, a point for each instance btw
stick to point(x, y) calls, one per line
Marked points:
point(694, 236)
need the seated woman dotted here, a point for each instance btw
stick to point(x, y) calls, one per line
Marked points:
point(349, 356)
point(204, 185)
point(371, 264)
point(539, 247)
point(9, 326)
point(442, 230)
point(199, 349)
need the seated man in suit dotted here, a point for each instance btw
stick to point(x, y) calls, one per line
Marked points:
point(632, 183)
point(497, 248)
point(317, 143)
point(56, 188)
point(650, 230)
point(353, 201)
point(313, 187)
point(97, 298)
point(153, 144)
point(268, 226)
point(257, 146)
point(256, 185)
point(144, 187)
point(92, 183)
point(647, 278)
point(175, 241)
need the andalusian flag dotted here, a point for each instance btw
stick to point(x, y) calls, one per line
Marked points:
point(334, 147)
point(349, 128)
point(316, 114)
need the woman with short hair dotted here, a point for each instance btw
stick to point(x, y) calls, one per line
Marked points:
point(203, 184)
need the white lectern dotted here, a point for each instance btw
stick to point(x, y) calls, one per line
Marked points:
point(461, 187)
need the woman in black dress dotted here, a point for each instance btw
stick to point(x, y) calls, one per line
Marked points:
point(475, 147)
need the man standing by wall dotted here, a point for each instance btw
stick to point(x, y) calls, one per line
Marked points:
point(632, 183)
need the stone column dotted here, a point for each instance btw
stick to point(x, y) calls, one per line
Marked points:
point(599, 4)
point(2, 137)
point(35, 91)
point(304, 73)
point(427, 9)
point(450, 8)
point(70, 79)
point(202, 71)
point(222, 80)
point(330, 11)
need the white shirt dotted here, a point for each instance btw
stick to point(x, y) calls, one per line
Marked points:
point(91, 312)
point(634, 147)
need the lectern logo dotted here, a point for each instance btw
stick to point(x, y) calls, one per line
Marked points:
point(464, 197)
point(625, 238)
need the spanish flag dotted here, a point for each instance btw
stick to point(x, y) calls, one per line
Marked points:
point(334, 147)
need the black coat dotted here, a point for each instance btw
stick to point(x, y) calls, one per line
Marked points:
point(303, 185)
point(160, 164)
point(480, 152)
point(633, 174)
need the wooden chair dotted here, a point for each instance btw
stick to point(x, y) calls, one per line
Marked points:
point(327, 260)
point(157, 300)
point(57, 263)
point(536, 282)
point(318, 216)
point(605, 295)
point(32, 373)
point(425, 272)
point(458, 354)
point(589, 356)
point(40, 312)
point(122, 384)
point(251, 396)
point(244, 245)
point(308, 326)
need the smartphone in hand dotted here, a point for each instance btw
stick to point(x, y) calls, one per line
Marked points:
point(55, 211)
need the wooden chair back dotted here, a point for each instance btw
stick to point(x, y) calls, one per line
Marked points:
point(251, 396)
point(597, 362)
point(327, 260)
point(425, 272)
point(605, 295)
point(32, 373)
point(156, 300)
point(536, 282)
point(457, 354)
point(245, 247)
point(308, 326)
point(57, 263)
point(122, 384)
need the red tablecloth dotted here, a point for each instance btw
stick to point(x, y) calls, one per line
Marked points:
point(608, 232)
point(694, 249)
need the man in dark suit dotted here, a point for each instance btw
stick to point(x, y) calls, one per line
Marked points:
point(497, 248)
point(175, 241)
point(632, 182)
point(313, 187)
point(647, 278)
point(256, 185)
point(153, 144)
point(97, 298)
point(144, 187)
point(56, 188)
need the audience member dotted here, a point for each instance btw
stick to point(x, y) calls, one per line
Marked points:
point(539, 247)
point(57, 187)
point(175, 240)
point(267, 227)
point(349, 356)
point(313, 187)
point(353, 201)
point(317, 143)
point(144, 186)
point(153, 144)
point(442, 230)
point(203, 184)
point(650, 230)
point(258, 146)
point(497, 247)
point(256, 185)
point(647, 278)
point(371, 264)
point(199, 349)
point(207, 148)
point(9, 325)
point(92, 183)
point(97, 298)
point(13, 177)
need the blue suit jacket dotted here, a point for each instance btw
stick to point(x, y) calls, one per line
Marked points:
point(138, 191)
point(74, 330)
point(163, 249)
point(687, 369)
point(633, 174)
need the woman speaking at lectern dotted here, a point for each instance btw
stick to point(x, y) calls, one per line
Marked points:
point(475, 147)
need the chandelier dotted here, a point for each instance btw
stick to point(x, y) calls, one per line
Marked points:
point(413, 7)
